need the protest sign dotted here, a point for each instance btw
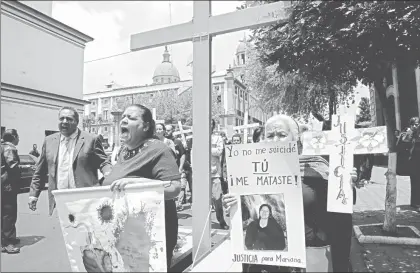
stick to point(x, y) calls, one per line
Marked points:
point(267, 222)
point(341, 144)
point(114, 232)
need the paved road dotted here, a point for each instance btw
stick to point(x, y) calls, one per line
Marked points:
point(42, 244)
point(372, 197)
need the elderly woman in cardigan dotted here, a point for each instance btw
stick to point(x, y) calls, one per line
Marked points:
point(322, 228)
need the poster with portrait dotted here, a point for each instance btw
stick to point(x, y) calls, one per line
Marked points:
point(114, 232)
point(267, 222)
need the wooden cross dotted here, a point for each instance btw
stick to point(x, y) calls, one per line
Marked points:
point(245, 127)
point(154, 117)
point(182, 132)
point(341, 144)
point(200, 31)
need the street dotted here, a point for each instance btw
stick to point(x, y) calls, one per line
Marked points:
point(42, 244)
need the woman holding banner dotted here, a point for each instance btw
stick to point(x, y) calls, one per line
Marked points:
point(322, 228)
point(145, 156)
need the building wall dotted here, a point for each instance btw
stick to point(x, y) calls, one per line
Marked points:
point(235, 100)
point(41, 71)
point(42, 6)
point(41, 53)
point(40, 60)
point(12, 115)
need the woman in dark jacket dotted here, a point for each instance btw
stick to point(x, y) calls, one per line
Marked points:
point(265, 233)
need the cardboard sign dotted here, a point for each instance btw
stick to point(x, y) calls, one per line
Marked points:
point(114, 232)
point(341, 144)
point(267, 224)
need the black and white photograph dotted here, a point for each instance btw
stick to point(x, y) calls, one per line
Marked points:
point(264, 222)
point(287, 135)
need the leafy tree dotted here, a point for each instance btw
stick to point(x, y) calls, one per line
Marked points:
point(364, 107)
point(345, 41)
point(291, 92)
point(169, 106)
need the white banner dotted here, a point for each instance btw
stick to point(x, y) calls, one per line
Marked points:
point(114, 232)
point(268, 223)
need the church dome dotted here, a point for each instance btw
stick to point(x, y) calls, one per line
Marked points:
point(165, 72)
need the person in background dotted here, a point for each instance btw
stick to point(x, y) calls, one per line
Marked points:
point(236, 139)
point(160, 134)
point(34, 151)
point(145, 156)
point(10, 180)
point(188, 166)
point(322, 228)
point(180, 161)
point(217, 147)
point(412, 136)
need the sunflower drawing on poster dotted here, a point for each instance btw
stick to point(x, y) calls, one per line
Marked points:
point(107, 232)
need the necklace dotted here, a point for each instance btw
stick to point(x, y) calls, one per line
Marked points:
point(127, 154)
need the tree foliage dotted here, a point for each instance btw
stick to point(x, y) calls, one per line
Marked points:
point(364, 114)
point(345, 41)
point(292, 92)
point(170, 106)
point(342, 41)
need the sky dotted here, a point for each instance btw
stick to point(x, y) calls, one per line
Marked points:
point(111, 23)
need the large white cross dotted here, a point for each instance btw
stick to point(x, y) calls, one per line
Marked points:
point(200, 31)
point(245, 127)
point(341, 144)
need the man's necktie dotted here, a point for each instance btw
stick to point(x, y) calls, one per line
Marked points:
point(64, 174)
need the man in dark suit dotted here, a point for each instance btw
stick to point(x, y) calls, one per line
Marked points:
point(70, 158)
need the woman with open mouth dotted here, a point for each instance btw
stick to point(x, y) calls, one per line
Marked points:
point(145, 156)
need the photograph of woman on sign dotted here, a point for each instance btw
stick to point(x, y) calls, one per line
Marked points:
point(264, 233)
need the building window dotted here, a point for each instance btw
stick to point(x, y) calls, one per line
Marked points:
point(236, 90)
point(241, 93)
point(106, 129)
point(246, 97)
point(105, 101)
point(105, 115)
point(93, 102)
point(242, 58)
